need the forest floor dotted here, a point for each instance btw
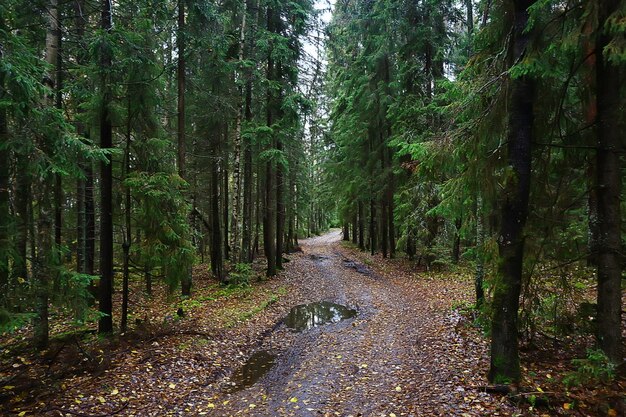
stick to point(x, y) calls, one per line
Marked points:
point(408, 351)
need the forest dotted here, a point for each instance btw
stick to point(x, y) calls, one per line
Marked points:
point(312, 207)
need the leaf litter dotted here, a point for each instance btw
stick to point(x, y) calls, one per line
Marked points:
point(407, 352)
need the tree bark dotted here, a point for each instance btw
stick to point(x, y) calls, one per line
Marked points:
point(22, 198)
point(248, 178)
point(456, 246)
point(105, 324)
point(182, 150)
point(608, 186)
point(224, 194)
point(247, 241)
point(234, 244)
point(269, 209)
point(505, 365)
point(42, 271)
point(280, 209)
point(41, 268)
point(5, 175)
point(85, 216)
point(361, 225)
point(480, 240)
point(217, 260)
point(90, 221)
point(126, 244)
point(372, 230)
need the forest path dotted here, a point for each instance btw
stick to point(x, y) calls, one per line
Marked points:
point(404, 353)
point(399, 356)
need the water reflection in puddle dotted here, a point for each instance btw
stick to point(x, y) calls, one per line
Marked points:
point(255, 367)
point(307, 316)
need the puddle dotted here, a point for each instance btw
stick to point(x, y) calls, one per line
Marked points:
point(360, 268)
point(317, 257)
point(255, 367)
point(307, 316)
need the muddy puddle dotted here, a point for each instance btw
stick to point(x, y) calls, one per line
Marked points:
point(360, 268)
point(307, 316)
point(255, 367)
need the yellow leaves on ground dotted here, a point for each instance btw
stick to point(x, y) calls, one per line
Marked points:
point(172, 385)
point(293, 400)
point(115, 391)
point(398, 388)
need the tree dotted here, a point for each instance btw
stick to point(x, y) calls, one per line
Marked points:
point(105, 324)
point(608, 187)
point(180, 77)
point(514, 210)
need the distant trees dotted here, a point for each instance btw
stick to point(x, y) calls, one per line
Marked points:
point(481, 131)
point(170, 100)
point(462, 136)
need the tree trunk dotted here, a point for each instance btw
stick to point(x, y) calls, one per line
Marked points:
point(469, 8)
point(269, 209)
point(257, 214)
point(105, 324)
point(234, 244)
point(346, 232)
point(456, 246)
point(372, 230)
point(90, 221)
point(217, 260)
point(590, 111)
point(224, 194)
point(292, 211)
point(514, 211)
point(84, 187)
point(42, 270)
point(269, 221)
point(608, 186)
point(186, 283)
point(247, 241)
point(5, 175)
point(384, 231)
point(280, 209)
point(361, 225)
point(355, 228)
point(391, 226)
point(410, 243)
point(480, 240)
point(58, 181)
point(127, 226)
point(22, 198)
point(248, 178)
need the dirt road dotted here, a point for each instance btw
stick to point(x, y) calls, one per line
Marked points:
point(399, 356)
point(399, 353)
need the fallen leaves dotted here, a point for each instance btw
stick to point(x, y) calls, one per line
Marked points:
point(409, 355)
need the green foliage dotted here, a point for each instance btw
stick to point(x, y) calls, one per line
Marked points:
point(241, 275)
point(163, 216)
point(11, 321)
point(595, 368)
point(73, 294)
point(188, 304)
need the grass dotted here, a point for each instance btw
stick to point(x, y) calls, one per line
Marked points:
point(240, 315)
